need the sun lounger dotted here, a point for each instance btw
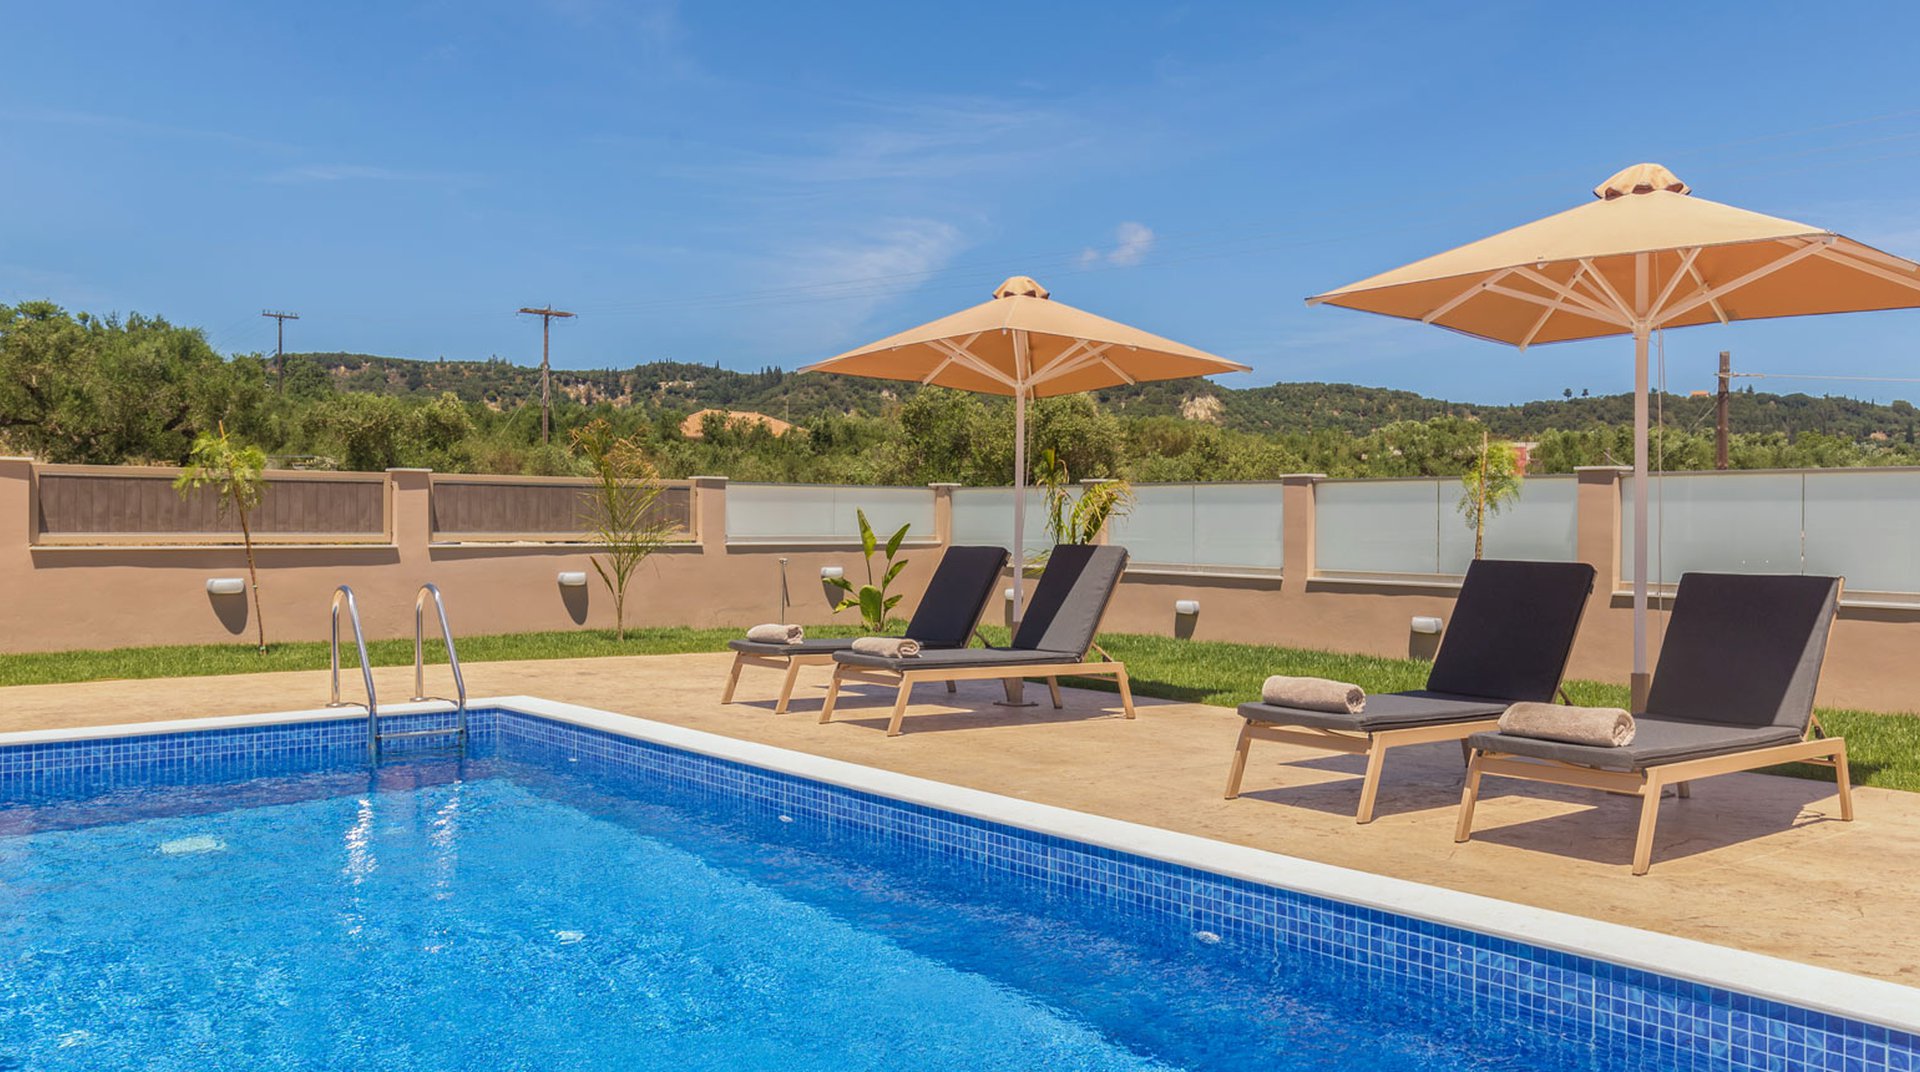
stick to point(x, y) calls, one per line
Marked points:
point(1509, 639)
point(1054, 638)
point(948, 612)
point(1733, 691)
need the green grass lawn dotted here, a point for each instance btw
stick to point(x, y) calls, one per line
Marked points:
point(1884, 749)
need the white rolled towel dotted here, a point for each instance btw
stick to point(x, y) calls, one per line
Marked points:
point(888, 647)
point(1314, 694)
point(1605, 727)
point(774, 633)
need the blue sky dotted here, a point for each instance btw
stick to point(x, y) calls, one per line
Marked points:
point(760, 184)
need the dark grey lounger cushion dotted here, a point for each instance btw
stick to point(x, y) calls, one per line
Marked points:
point(956, 596)
point(1512, 629)
point(1064, 613)
point(1744, 649)
point(822, 646)
point(1390, 711)
point(1655, 741)
point(956, 657)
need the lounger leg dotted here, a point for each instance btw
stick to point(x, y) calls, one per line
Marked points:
point(833, 694)
point(900, 706)
point(1053, 689)
point(1468, 797)
point(1370, 785)
point(953, 686)
point(786, 688)
point(1684, 790)
point(1238, 769)
point(733, 677)
point(1126, 691)
point(1649, 817)
point(1845, 782)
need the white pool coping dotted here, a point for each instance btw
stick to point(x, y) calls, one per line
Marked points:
point(1855, 997)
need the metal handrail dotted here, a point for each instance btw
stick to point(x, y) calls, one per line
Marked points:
point(344, 594)
point(446, 638)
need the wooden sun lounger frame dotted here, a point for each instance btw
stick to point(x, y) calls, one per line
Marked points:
point(1648, 784)
point(905, 680)
point(1814, 747)
point(1372, 744)
point(791, 664)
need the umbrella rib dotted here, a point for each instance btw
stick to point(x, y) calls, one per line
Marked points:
point(1554, 303)
point(1600, 283)
point(1712, 303)
point(1461, 298)
point(1558, 304)
point(1666, 292)
point(1871, 269)
point(1800, 254)
point(966, 357)
point(1568, 290)
point(1060, 367)
point(1117, 370)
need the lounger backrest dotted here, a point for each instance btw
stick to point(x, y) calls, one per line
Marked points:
point(1064, 613)
point(956, 596)
point(1512, 629)
point(1744, 649)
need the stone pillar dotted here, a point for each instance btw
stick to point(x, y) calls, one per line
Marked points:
point(18, 526)
point(710, 513)
point(943, 513)
point(1296, 528)
point(1597, 515)
point(410, 512)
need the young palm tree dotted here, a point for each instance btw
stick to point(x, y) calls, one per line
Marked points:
point(619, 509)
point(235, 471)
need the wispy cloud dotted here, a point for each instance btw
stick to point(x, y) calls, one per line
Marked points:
point(826, 292)
point(353, 173)
point(1132, 242)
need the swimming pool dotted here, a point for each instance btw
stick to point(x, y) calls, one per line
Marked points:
point(569, 896)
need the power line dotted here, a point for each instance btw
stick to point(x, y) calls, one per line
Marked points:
point(546, 314)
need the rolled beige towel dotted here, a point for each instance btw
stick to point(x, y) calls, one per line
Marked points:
point(776, 634)
point(1314, 694)
point(1605, 727)
point(888, 647)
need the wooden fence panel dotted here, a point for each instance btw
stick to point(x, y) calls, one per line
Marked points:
point(533, 508)
point(140, 503)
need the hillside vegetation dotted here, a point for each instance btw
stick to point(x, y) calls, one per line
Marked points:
point(82, 388)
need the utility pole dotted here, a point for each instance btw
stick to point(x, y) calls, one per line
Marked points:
point(280, 345)
point(546, 314)
point(1720, 411)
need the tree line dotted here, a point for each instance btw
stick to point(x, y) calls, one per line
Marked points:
point(76, 387)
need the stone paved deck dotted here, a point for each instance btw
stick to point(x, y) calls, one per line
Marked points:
point(1751, 861)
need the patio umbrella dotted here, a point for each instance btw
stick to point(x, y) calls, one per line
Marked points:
point(1024, 344)
point(1643, 255)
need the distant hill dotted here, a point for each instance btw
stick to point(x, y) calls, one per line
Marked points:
point(684, 388)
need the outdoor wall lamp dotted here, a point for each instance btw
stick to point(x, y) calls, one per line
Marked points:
point(1426, 625)
point(1186, 606)
point(832, 573)
point(226, 586)
point(1008, 593)
point(573, 578)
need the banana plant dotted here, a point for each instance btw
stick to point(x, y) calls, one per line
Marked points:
point(871, 599)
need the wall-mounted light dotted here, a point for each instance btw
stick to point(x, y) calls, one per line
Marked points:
point(1009, 594)
point(832, 573)
point(226, 586)
point(1186, 606)
point(573, 578)
point(1426, 625)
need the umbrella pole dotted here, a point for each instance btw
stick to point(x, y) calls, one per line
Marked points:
point(1641, 679)
point(1019, 503)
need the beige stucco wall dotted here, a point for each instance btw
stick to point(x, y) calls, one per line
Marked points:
point(65, 597)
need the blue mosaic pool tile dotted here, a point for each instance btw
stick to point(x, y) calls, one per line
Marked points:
point(1624, 1015)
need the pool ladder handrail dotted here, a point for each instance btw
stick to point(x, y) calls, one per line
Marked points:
point(344, 595)
point(446, 639)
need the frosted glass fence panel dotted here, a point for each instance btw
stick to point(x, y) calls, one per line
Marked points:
point(1539, 526)
point(983, 517)
point(1202, 525)
point(1377, 526)
point(1721, 522)
point(1865, 526)
point(823, 513)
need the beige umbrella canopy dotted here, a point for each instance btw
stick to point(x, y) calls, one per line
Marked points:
point(1643, 255)
point(1024, 344)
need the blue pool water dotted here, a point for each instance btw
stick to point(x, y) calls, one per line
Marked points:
point(533, 908)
